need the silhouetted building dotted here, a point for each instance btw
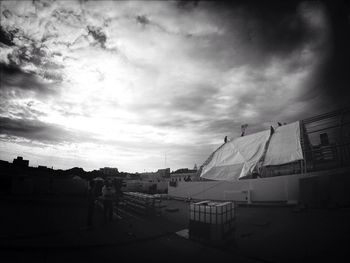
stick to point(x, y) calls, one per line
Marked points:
point(184, 174)
point(184, 170)
point(156, 176)
point(109, 171)
point(151, 176)
point(19, 162)
point(164, 172)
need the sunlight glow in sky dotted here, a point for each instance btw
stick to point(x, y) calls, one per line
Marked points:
point(121, 84)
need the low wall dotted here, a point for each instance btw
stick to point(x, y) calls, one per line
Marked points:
point(213, 190)
point(143, 186)
point(272, 189)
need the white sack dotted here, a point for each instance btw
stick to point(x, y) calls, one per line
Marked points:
point(237, 158)
point(284, 145)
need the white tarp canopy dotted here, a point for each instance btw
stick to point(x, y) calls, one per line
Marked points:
point(284, 146)
point(237, 158)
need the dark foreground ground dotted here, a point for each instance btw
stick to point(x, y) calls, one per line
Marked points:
point(53, 230)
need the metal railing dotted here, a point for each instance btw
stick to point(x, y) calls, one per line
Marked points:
point(325, 141)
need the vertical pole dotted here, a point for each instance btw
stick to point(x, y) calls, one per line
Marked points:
point(249, 201)
point(286, 189)
point(164, 160)
point(339, 149)
point(302, 137)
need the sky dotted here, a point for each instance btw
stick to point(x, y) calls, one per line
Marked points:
point(144, 85)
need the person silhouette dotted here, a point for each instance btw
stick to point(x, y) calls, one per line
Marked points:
point(108, 195)
point(91, 203)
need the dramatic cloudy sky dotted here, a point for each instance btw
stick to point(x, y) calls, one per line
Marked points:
point(126, 84)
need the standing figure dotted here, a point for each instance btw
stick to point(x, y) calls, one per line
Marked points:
point(243, 128)
point(108, 195)
point(92, 195)
point(118, 183)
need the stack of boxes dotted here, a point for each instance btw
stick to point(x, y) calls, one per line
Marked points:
point(211, 222)
point(143, 203)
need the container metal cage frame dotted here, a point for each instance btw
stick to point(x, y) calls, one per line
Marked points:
point(211, 222)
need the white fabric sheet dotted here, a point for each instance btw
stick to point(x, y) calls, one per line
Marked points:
point(237, 158)
point(284, 146)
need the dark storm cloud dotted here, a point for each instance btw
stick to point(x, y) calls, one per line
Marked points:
point(279, 29)
point(7, 13)
point(255, 33)
point(6, 37)
point(36, 130)
point(14, 77)
point(98, 35)
point(276, 28)
point(334, 78)
point(142, 20)
point(145, 21)
point(34, 54)
point(186, 5)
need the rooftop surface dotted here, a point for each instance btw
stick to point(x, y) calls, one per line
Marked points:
point(38, 230)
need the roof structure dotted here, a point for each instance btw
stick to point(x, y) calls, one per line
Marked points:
point(243, 156)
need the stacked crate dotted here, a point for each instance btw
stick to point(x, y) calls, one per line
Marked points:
point(142, 203)
point(212, 222)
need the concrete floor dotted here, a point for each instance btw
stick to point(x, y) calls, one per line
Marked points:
point(43, 232)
